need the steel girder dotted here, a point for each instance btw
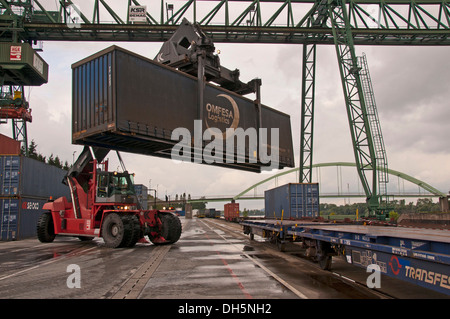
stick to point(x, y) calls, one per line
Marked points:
point(307, 115)
point(382, 22)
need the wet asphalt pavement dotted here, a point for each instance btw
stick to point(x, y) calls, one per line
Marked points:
point(212, 260)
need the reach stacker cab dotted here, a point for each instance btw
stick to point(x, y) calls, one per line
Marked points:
point(104, 204)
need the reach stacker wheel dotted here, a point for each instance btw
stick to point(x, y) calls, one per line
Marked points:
point(170, 230)
point(133, 229)
point(118, 231)
point(45, 228)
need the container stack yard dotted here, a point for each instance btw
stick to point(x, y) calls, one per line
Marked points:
point(26, 185)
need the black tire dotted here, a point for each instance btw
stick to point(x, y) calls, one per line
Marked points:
point(45, 228)
point(174, 228)
point(324, 257)
point(281, 246)
point(115, 232)
point(171, 229)
point(132, 229)
point(325, 262)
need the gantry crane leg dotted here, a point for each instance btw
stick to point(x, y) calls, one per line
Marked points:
point(354, 99)
point(307, 115)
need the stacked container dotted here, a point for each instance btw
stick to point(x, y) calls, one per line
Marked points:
point(25, 186)
point(292, 201)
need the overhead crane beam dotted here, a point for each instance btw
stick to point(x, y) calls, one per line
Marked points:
point(388, 22)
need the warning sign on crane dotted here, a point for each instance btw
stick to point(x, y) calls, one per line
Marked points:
point(15, 53)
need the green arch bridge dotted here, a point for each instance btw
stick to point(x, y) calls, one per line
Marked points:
point(432, 191)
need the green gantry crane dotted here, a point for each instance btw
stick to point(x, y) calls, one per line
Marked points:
point(365, 129)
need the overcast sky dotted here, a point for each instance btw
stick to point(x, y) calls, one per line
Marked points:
point(412, 90)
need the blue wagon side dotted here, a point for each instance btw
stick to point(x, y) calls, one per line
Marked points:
point(419, 256)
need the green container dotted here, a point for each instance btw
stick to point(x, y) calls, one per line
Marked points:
point(22, 65)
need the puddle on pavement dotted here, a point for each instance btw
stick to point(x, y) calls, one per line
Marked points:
point(219, 231)
point(192, 232)
point(223, 248)
point(217, 256)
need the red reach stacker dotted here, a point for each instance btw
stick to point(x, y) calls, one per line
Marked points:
point(104, 204)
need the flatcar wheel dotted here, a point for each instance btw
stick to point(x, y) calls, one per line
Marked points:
point(281, 245)
point(325, 262)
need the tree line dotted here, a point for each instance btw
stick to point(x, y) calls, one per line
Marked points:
point(422, 205)
point(51, 160)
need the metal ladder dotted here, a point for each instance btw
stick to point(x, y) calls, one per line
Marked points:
point(375, 127)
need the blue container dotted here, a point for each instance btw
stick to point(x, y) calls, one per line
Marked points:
point(9, 211)
point(142, 195)
point(23, 176)
point(19, 217)
point(10, 179)
point(180, 212)
point(292, 201)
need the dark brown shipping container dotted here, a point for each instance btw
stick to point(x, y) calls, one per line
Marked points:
point(126, 102)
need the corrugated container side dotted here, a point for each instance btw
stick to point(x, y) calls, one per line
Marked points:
point(93, 106)
point(23, 176)
point(8, 146)
point(19, 217)
point(304, 200)
point(292, 201)
point(127, 102)
point(9, 213)
point(276, 203)
point(231, 211)
point(10, 172)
